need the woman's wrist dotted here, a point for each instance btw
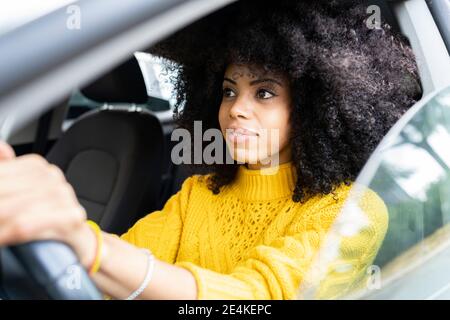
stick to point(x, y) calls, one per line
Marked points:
point(84, 242)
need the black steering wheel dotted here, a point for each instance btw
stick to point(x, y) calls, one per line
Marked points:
point(44, 270)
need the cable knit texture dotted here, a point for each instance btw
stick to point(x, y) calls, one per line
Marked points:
point(251, 241)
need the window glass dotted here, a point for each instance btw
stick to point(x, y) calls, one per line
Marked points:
point(410, 173)
point(158, 83)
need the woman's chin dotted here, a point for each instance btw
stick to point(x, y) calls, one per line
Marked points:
point(249, 158)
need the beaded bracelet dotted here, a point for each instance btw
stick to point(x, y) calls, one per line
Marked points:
point(148, 275)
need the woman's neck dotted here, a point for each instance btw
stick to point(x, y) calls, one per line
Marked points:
point(283, 157)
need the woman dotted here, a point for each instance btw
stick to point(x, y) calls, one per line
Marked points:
point(330, 87)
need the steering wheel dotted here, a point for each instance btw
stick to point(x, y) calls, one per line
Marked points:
point(50, 269)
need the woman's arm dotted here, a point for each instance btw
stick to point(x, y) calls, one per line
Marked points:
point(124, 267)
point(37, 203)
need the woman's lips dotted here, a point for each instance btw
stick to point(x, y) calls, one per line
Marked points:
point(240, 135)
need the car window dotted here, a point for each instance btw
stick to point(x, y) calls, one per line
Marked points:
point(158, 85)
point(156, 76)
point(410, 172)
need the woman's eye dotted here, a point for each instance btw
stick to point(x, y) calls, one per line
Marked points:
point(227, 92)
point(264, 94)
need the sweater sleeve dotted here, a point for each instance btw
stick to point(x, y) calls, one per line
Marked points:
point(160, 231)
point(276, 270)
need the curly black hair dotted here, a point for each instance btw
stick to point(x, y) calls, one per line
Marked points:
point(350, 83)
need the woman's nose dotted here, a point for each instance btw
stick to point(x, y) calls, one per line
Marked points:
point(239, 109)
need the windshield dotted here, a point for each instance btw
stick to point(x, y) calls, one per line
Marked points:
point(410, 173)
point(18, 12)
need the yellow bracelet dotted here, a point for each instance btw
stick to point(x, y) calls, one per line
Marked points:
point(95, 266)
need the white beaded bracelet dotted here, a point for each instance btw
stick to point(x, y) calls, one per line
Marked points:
point(148, 276)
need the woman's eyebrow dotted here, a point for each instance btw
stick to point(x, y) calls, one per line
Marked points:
point(265, 80)
point(254, 82)
point(229, 80)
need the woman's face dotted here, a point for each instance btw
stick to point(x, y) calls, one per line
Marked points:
point(254, 116)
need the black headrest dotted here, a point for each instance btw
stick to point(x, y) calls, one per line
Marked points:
point(124, 84)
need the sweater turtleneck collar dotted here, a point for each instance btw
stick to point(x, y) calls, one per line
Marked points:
point(265, 184)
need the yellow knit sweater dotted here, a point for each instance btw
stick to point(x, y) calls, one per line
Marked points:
point(251, 241)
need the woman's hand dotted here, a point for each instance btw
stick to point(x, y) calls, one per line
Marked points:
point(37, 203)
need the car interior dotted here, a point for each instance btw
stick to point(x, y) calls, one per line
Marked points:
point(113, 142)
